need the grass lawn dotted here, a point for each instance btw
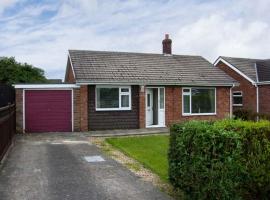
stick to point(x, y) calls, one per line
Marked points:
point(151, 151)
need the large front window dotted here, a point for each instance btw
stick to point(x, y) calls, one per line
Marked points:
point(199, 101)
point(113, 98)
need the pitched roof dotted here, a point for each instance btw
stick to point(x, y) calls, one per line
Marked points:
point(93, 67)
point(263, 68)
point(257, 70)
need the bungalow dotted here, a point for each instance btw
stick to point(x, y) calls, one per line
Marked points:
point(119, 90)
point(253, 75)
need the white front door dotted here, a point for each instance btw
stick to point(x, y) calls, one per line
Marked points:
point(149, 107)
point(155, 107)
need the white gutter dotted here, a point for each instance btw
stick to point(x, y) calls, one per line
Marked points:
point(263, 83)
point(257, 98)
point(231, 112)
point(257, 89)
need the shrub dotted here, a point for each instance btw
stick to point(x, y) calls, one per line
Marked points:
point(227, 159)
point(244, 114)
point(263, 116)
point(249, 115)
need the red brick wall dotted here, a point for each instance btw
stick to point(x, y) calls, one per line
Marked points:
point(264, 99)
point(69, 78)
point(141, 107)
point(173, 107)
point(249, 90)
point(76, 109)
point(19, 110)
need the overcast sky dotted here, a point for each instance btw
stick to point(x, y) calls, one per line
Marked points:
point(40, 32)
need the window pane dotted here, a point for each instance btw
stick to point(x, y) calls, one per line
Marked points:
point(238, 100)
point(124, 101)
point(148, 100)
point(186, 90)
point(107, 97)
point(186, 104)
point(124, 89)
point(203, 100)
point(237, 93)
point(161, 98)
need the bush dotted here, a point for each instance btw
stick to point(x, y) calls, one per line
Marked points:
point(227, 159)
point(244, 114)
point(263, 116)
point(249, 115)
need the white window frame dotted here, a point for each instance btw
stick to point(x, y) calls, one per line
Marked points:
point(236, 95)
point(120, 94)
point(190, 104)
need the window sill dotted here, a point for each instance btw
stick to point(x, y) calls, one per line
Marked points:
point(199, 114)
point(238, 105)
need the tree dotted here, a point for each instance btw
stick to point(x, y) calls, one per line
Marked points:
point(12, 72)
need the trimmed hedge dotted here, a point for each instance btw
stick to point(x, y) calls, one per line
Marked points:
point(227, 159)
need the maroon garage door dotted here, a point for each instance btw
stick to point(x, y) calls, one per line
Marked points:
point(48, 110)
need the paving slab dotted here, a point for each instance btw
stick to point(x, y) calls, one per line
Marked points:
point(53, 166)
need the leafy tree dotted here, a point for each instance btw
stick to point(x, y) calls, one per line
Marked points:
point(12, 72)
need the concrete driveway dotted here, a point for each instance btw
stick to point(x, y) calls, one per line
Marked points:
point(53, 166)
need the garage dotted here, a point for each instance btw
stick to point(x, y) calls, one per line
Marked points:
point(46, 108)
point(48, 111)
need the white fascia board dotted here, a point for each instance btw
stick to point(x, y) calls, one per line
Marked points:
point(45, 86)
point(234, 68)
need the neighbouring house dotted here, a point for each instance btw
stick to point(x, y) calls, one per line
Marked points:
point(119, 90)
point(253, 76)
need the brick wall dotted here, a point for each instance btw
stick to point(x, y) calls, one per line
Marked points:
point(69, 78)
point(19, 110)
point(173, 112)
point(264, 99)
point(76, 109)
point(142, 107)
point(249, 90)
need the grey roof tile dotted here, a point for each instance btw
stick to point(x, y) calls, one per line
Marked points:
point(263, 68)
point(144, 68)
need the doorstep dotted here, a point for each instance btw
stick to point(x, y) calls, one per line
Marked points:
point(128, 132)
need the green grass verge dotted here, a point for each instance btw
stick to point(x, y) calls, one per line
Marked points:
point(151, 151)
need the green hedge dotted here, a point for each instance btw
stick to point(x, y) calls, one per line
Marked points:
point(227, 159)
